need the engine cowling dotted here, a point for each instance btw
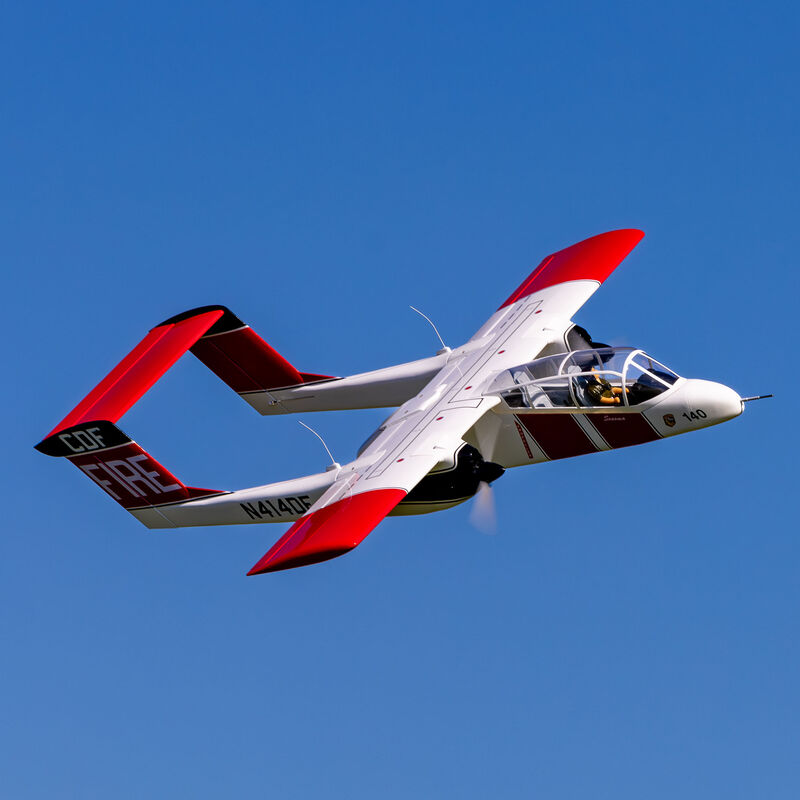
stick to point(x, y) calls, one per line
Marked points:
point(445, 488)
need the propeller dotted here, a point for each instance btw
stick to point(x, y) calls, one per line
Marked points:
point(483, 515)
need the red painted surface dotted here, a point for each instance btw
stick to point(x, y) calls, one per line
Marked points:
point(592, 259)
point(239, 357)
point(558, 435)
point(312, 377)
point(135, 479)
point(244, 361)
point(139, 370)
point(329, 532)
point(623, 430)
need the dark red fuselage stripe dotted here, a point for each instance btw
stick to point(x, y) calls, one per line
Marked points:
point(558, 435)
point(623, 430)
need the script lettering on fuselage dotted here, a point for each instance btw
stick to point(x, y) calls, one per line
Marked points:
point(277, 507)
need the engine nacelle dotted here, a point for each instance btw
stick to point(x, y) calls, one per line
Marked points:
point(444, 488)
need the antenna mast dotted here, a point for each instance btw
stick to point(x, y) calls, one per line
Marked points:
point(445, 348)
point(334, 463)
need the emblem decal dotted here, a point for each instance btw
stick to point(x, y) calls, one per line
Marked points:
point(669, 420)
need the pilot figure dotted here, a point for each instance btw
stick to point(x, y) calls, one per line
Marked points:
point(601, 393)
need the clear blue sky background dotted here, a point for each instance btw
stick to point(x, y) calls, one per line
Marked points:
point(632, 631)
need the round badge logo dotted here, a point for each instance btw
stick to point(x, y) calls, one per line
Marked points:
point(669, 420)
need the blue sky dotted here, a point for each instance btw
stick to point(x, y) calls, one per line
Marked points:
point(632, 630)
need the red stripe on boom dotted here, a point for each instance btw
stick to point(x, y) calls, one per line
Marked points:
point(592, 259)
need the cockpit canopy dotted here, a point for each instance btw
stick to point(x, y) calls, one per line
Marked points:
point(606, 377)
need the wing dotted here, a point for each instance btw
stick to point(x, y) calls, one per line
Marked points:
point(261, 376)
point(427, 428)
point(562, 283)
point(593, 260)
point(370, 487)
point(337, 523)
point(556, 289)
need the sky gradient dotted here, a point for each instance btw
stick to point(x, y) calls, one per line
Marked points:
point(632, 630)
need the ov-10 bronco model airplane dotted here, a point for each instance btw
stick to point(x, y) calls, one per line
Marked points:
point(529, 386)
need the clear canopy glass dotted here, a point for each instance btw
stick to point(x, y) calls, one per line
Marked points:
point(608, 377)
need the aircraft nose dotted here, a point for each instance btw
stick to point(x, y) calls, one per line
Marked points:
point(714, 400)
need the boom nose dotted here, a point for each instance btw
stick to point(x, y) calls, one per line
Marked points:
point(715, 400)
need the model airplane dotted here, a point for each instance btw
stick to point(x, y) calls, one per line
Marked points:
point(529, 386)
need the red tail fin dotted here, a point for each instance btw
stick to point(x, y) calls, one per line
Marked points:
point(236, 354)
point(119, 466)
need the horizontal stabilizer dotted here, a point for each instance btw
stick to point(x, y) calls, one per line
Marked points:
point(139, 370)
point(237, 355)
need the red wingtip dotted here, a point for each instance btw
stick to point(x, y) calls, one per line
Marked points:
point(592, 259)
point(330, 532)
